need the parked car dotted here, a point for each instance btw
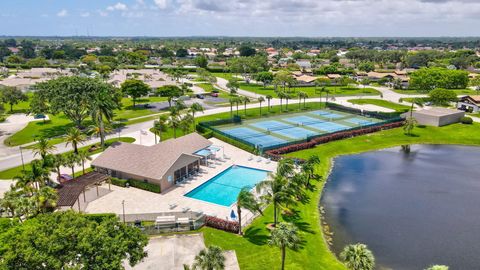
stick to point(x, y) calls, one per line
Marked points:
point(200, 96)
point(214, 94)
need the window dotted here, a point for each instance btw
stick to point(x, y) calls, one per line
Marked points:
point(169, 178)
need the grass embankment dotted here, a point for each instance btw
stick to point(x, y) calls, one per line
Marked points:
point(57, 125)
point(10, 173)
point(252, 250)
point(382, 103)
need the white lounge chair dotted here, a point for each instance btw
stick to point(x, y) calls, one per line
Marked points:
point(268, 161)
point(250, 158)
point(185, 209)
point(259, 159)
point(225, 156)
point(172, 206)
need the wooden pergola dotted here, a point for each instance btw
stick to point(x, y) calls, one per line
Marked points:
point(69, 193)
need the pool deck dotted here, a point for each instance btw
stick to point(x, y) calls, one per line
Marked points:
point(138, 201)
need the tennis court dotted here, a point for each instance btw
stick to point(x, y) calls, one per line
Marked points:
point(296, 127)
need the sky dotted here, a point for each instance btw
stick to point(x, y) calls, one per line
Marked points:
point(308, 18)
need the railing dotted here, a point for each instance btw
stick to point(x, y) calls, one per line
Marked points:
point(146, 222)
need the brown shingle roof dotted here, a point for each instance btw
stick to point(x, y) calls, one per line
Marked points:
point(69, 192)
point(149, 161)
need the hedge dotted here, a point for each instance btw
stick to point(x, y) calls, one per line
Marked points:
point(144, 185)
point(221, 224)
point(99, 218)
point(466, 120)
point(119, 182)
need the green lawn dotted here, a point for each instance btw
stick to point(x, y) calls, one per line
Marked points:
point(208, 87)
point(418, 92)
point(226, 76)
point(252, 250)
point(10, 173)
point(382, 103)
point(312, 91)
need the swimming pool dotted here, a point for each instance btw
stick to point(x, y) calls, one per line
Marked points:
point(223, 188)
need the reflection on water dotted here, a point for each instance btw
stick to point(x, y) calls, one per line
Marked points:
point(413, 206)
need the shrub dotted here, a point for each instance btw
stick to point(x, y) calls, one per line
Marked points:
point(144, 185)
point(100, 217)
point(221, 224)
point(442, 96)
point(119, 182)
point(466, 120)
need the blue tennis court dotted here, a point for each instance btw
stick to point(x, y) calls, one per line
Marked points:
point(329, 127)
point(359, 121)
point(302, 119)
point(327, 114)
point(271, 125)
point(296, 133)
point(254, 137)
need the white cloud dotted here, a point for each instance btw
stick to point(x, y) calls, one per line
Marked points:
point(85, 14)
point(118, 6)
point(62, 13)
point(162, 4)
point(102, 13)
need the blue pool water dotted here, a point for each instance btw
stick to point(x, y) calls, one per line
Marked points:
point(223, 189)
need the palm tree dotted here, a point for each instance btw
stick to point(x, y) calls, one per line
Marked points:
point(57, 162)
point(283, 237)
point(44, 198)
point(75, 137)
point(281, 96)
point(100, 129)
point(211, 258)
point(72, 159)
point(43, 148)
point(246, 200)
point(409, 125)
point(238, 100)
point(245, 100)
point(287, 97)
point(174, 123)
point(101, 109)
point(327, 91)
point(358, 257)
point(309, 168)
point(275, 190)
point(286, 167)
point(260, 100)
point(160, 126)
point(195, 107)
point(83, 156)
point(232, 101)
point(186, 122)
point(268, 97)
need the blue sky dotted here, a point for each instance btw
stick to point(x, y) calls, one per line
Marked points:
point(241, 17)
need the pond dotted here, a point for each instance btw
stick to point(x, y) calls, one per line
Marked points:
point(413, 207)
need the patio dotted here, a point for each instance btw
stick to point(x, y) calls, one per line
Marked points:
point(173, 200)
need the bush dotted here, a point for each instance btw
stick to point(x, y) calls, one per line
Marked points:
point(466, 120)
point(442, 96)
point(99, 218)
point(144, 185)
point(119, 182)
point(221, 224)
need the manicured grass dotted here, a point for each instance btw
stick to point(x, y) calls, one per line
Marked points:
point(312, 91)
point(11, 173)
point(208, 87)
point(252, 250)
point(418, 92)
point(226, 76)
point(382, 103)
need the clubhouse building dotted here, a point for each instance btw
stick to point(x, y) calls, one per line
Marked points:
point(163, 164)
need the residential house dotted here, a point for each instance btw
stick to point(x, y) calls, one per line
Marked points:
point(469, 103)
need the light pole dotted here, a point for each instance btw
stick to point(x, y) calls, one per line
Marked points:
point(123, 210)
point(21, 155)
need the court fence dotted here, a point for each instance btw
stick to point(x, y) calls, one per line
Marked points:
point(389, 120)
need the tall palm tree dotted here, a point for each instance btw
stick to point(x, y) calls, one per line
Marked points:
point(287, 97)
point(274, 190)
point(174, 123)
point(160, 126)
point(281, 96)
point(194, 108)
point(71, 160)
point(309, 168)
point(186, 123)
point(44, 198)
point(100, 129)
point(75, 137)
point(101, 110)
point(211, 258)
point(245, 100)
point(358, 257)
point(269, 98)
point(232, 101)
point(286, 167)
point(260, 100)
point(43, 148)
point(57, 162)
point(285, 236)
point(246, 200)
point(83, 157)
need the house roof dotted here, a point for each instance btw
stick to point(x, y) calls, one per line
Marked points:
point(68, 193)
point(150, 161)
point(474, 99)
point(306, 78)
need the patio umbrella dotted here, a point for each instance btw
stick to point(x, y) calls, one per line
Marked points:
point(232, 215)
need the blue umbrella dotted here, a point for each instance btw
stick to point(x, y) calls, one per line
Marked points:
point(232, 215)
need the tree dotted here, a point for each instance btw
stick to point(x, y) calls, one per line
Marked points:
point(269, 98)
point(233, 85)
point(135, 89)
point(43, 148)
point(246, 51)
point(186, 123)
point(57, 162)
point(366, 66)
point(169, 91)
point(304, 96)
point(194, 108)
point(100, 129)
point(427, 79)
point(48, 242)
point(74, 137)
point(181, 53)
point(475, 82)
point(409, 125)
point(83, 156)
point(174, 123)
point(437, 267)
point(265, 77)
point(246, 200)
point(442, 97)
point(308, 167)
point(160, 126)
point(102, 106)
point(358, 257)
point(285, 236)
point(12, 96)
point(260, 100)
point(201, 61)
point(71, 160)
point(245, 100)
point(44, 198)
point(211, 258)
point(275, 190)
point(232, 101)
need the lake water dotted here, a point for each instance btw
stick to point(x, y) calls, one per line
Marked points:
point(412, 209)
